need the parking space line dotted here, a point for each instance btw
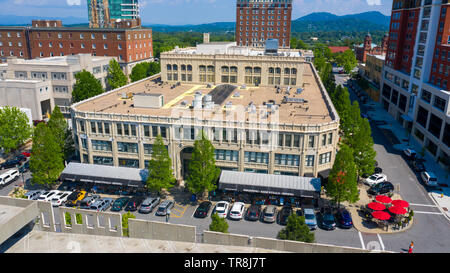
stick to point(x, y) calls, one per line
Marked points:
point(427, 212)
point(423, 205)
point(181, 212)
point(361, 239)
point(381, 241)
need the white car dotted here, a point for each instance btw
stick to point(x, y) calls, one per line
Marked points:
point(222, 208)
point(429, 178)
point(375, 179)
point(47, 196)
point(60, 198)
point(8, 177)
point(410, 153)
point(237, 211)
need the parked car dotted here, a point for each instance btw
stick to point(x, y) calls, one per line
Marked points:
point(134, 203)
point(284, 214)
point(344, 219)
point(60, 198)
point(164, 207)
point(27, 154)
point(269, 214)
point(327, 220)
point(237, 211)
point(381, 188)
point(33, 195)
point(429, 179)
point(25, 167)
point(375, 179)
point(8, 177)
point(222, 208)
point(47, 196)
point(88, 200)
point(418, 166)
point(21, 158)
point(120, 203)
point(203, 209)
point(310, 218)
point(101, 204)
point(74, 198)
point(253, 213)
point(149, 204)
point(299, 212)
point(410, 154)
point(10, 164)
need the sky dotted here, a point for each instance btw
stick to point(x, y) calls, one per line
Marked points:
point(180, 12)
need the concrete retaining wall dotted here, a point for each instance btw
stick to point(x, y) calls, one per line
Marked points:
point(218, 238)
point(160, 231)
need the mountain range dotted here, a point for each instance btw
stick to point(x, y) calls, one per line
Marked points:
point(314, 22)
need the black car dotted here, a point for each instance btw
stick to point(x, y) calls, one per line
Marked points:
point(418, 166)
point(10, 164)
point(344, 219)
point(284, 214)
point(25, 167)
point(381, 188)
point(134, 203)
point(21, 158)
point(203, 209)
point(253, 213)
point(120, 203)
point(300, 212)
point(327, 220)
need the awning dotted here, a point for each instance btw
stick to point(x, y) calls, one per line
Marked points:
point(91, 173)
point(407, 118)
point(324, 174)
point(270, 184)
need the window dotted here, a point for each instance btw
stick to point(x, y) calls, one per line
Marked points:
point(311, 142)
point(325, 158)
point(426, 96)
point(439, 103)
point(125, 147)
point(100, 145)
point(255, 157)
point(309, 160)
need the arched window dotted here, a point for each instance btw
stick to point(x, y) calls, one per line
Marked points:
point(169, 67)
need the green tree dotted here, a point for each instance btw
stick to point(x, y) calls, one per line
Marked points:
point(342, 182)
point(116, 77)
point(14, 128)
point(347, 59)
point(46, 162)
point(296, 230)
point(218, 224)
point(160, 173)
point(58, 125)
point(203, 172)
point(153, 68)
point(125, 217)
point(138, 72)
point(86, 86)
point(69, 145)
point(362, 143)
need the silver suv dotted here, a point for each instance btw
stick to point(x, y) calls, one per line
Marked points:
point(162, 209)
point(149, 204)
point(269, 214)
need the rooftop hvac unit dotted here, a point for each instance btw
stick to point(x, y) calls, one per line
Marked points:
point(229, 105)
point(208, 98)
point(299, 90)
point(237, 95)
point(271, 46)
point(127, 95)
point(209, 105)
point(184, 103)
point(243, 86)
point(209, 85)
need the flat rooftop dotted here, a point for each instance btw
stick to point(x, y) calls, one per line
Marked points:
point(59, 60)
point(310, 108)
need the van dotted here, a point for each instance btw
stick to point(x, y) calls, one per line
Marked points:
point(429, 179)
point(33, 195)
point(8, 177)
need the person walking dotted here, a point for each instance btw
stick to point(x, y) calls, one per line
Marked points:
point(411, 247)
point(168, 215)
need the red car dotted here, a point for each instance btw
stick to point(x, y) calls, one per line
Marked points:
point(27, 154)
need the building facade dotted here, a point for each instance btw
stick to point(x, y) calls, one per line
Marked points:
point(362, 50)
point(415, 82)
point(289, 129)
point(56, 73)
point(129, 46)
point(104, 13)
point(257, 21)
point(372, 71)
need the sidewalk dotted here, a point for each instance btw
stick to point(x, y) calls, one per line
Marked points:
point(377, 113)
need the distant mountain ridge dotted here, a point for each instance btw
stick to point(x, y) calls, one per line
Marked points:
point(374, 17)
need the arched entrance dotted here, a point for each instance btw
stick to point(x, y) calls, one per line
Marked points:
point(185, 157)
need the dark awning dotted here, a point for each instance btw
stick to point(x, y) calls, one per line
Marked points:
point(270, 184)
point(109, 175)
point(324, 174)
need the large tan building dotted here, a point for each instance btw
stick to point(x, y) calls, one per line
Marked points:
point(371, 71)
point(260, 127)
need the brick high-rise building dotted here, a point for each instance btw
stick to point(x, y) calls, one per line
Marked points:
point(415, 81)
point(259, 20)
point(49, 38)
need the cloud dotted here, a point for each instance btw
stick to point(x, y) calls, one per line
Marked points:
point(73, 2)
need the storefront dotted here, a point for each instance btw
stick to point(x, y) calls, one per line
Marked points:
point(104, 179)
point(264, 189)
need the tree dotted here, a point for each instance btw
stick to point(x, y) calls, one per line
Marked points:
point(296, 230)
point(203, 172)
point(138, 72)
point(347, 59)
point(342, 182)
point(362, 143)
point(14, 128)
point(69, 145)
point(218, 224)
point(153, 68)
point(160, 173)
point(46, 162)
point(86, 86)
point(116, 77)
point(125, 226)
point(58, 124)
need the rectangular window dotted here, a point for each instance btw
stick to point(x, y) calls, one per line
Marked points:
point(309, 160)
point(100, 145)
point(311, 142)
point(325, 158)
point(119, 129)
point(93, 128)
point(125, 147)
point(426, 96)
point(439, 103)
point(106, 126)
point(146, 131)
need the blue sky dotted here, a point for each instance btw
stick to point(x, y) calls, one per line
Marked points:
point(176, 12)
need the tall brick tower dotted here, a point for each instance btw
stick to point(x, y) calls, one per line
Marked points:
point(259, 20)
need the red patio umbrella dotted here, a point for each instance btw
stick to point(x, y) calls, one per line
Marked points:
point(397, 210)
point(381, 215)
point(383, 199)
point(376, 206)
point(400, 203)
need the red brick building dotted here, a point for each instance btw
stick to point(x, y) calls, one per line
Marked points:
point(368, 47)
point(43, 39)
point(257, 21)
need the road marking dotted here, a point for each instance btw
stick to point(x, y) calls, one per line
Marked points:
point(426, 212)
point(423, 205)
point(362, 241)
point(381, 241)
